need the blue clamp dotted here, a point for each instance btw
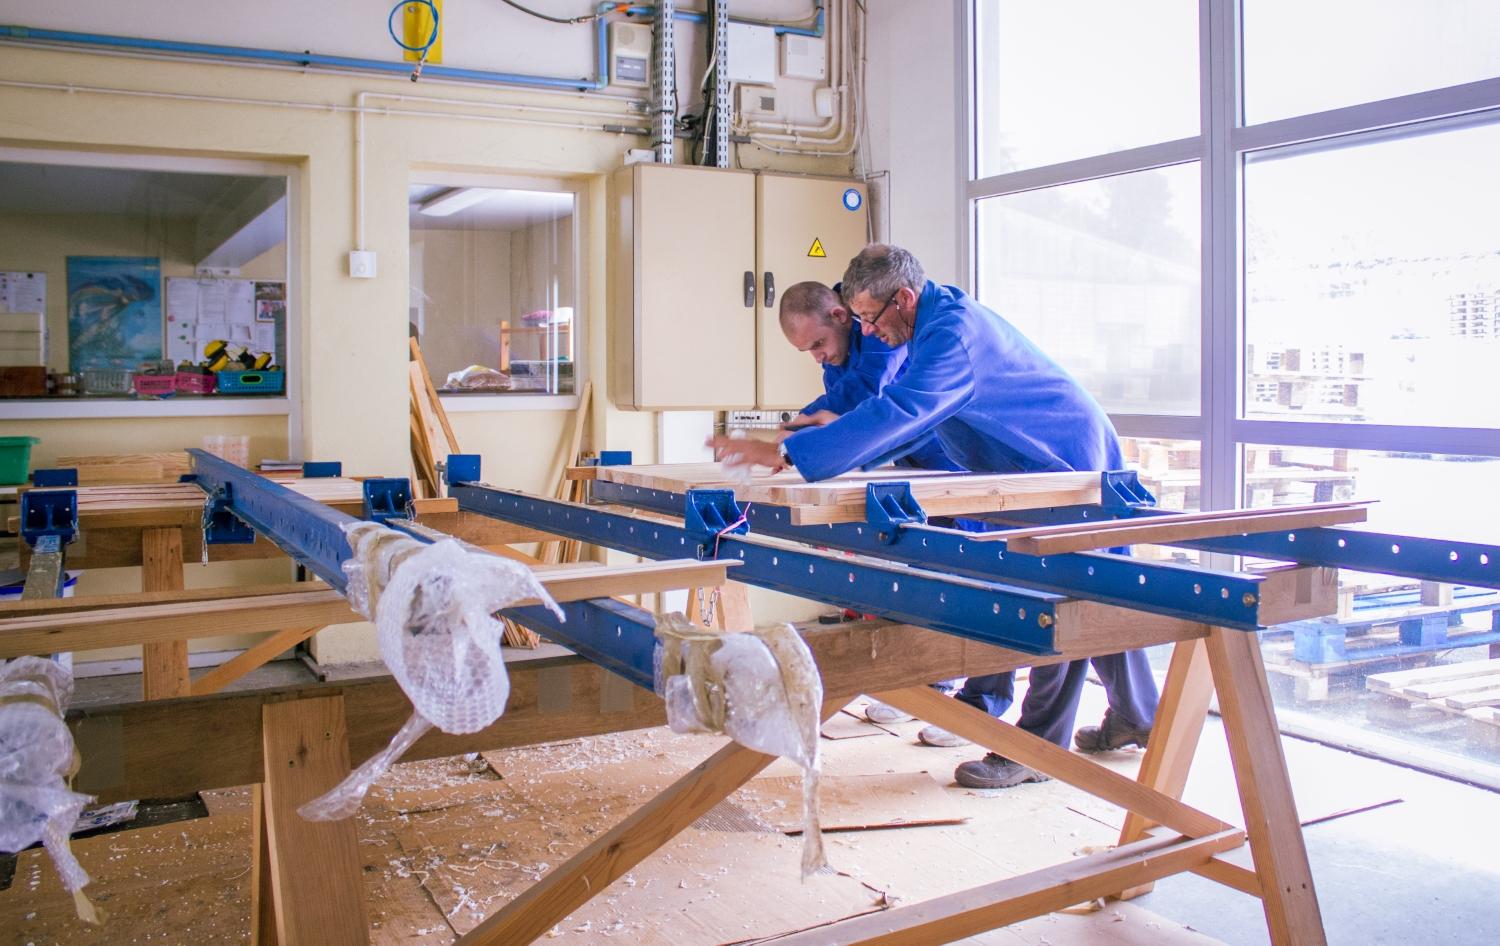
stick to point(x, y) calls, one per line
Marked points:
point(220, 525)
point(1122, 490)
point(711, 513)
point(889, 506)
point(615, 458)
point(461, 468)
point(62, 476)
point(321, 469)
point(387, 498)
point(50, 513)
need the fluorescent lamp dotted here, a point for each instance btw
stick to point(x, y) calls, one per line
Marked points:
point(453, 200)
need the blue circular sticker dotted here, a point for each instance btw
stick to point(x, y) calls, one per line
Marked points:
point(853, 199)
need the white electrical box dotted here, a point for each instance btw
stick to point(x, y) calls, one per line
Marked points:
point(752, 53)
point(629, 54)
point(757, 101)
point(804, 57)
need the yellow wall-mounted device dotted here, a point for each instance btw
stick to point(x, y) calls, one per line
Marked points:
point(416, 22)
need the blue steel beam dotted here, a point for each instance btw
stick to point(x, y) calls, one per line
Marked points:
point(615, 636)
point(1428, 559)
point(1225, 599)
point(1017, 618)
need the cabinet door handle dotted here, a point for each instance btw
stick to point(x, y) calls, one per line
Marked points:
point(770, 289)
point(749, 289)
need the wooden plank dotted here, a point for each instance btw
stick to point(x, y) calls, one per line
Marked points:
point(842, 499)
point(574, 883)
point(315, 865)
point(1400, 679)
point(1165, 530)
point(262, 891)
point(157, 749)
point(1290, 900)
point(987, 907)
point(1180, 716)
point(433, 403)
point(1018, 745)
point(182, 621)
point(252, 658)
point(18, 608)
point(1453, 688)
point(164, 662)
point(1468, 701)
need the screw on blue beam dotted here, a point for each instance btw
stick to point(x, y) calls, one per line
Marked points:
point(322, 469)
point(1122, 489)
point(220, 525)
point(615, 458)
point(889, 506)
point(49, 513)
point(711, 513)
point(461, 468)
point(62, 476)
point(387, 498)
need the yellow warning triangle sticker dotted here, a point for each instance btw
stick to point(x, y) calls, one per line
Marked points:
point(816, 250)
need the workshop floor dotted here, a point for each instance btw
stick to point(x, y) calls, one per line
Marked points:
point(448, 842)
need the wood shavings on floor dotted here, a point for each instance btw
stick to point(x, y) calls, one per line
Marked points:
point(446, 842)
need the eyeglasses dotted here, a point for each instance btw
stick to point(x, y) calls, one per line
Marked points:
point(870, 320)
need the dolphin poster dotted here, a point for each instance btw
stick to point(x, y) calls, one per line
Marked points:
point(114, 311)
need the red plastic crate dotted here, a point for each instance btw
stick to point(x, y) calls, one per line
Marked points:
point(155, 384)
point(190, 382)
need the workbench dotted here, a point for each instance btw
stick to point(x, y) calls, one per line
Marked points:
point(982, 607)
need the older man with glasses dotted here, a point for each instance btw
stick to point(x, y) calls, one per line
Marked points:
point(998, 404)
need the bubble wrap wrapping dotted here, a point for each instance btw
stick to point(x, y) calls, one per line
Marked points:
point(760, 688)
point(433, 608)
point(36, 760)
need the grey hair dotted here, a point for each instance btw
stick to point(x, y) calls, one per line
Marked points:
point(880, 269)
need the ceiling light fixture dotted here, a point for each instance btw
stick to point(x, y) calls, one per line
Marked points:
point(451, 201)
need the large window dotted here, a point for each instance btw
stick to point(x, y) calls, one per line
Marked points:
point(494, 285)
point(1263, 234)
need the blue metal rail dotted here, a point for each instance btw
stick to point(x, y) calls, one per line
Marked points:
point(1017, 618)
point(1459, 563)
point(1226, 599)
point(616, 636)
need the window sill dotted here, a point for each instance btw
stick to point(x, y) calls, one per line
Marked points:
point(491, 403)
point(58, 408)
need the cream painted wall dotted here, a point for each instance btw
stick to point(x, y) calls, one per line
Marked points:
point(915, 96)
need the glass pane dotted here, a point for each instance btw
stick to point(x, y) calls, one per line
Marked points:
point(104, 285)
point(1170, 469)
point(1309, 57)
point(1372, 281)
point(494, 288)
point(1125, 75)
point(1329, 675)
point(1103, 275)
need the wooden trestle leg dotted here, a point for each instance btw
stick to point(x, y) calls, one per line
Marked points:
point(164, 664)
point(312, 867)
point(1287, 893)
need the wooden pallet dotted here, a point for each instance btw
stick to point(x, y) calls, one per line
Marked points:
point(1470, 689)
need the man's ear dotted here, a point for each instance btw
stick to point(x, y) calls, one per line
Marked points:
point(839, 315)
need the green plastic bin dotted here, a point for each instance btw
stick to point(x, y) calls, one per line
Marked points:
point(15, 459)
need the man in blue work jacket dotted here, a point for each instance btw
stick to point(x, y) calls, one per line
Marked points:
point(998, 405)
point(855, 368)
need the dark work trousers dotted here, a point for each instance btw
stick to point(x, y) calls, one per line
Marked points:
point(1052, 696)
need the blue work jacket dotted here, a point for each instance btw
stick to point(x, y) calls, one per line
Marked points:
point(995, 401)
point(870, 366)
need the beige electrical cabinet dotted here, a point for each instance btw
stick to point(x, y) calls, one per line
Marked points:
point(698, 260)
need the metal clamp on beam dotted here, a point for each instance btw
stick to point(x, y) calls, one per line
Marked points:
point(61, 476)
point(711, 513)
point(50, 513)
point(889, 506)
point(387, 498)
point(321, 469)
point(461, 468)
point(220, 525)
point(1122, 489)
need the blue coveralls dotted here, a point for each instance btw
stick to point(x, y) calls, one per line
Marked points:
point(870, 366)
point(998, 405)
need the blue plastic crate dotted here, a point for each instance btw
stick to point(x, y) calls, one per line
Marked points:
point(252, 382)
